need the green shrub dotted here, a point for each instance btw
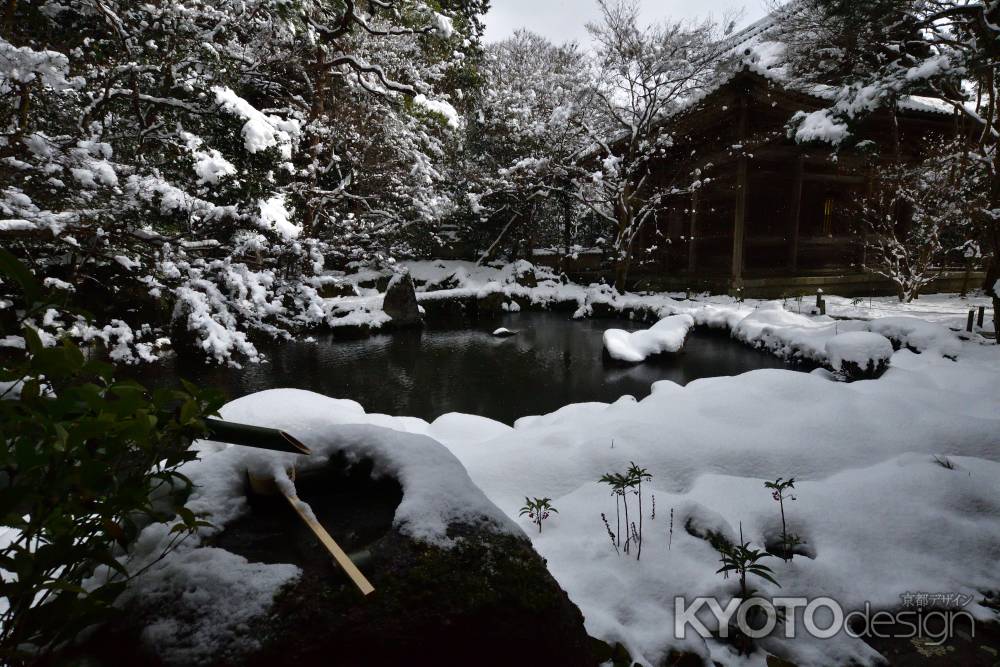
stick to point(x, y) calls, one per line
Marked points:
point(83, 454)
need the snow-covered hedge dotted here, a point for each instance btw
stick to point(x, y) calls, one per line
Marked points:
point(918, 335)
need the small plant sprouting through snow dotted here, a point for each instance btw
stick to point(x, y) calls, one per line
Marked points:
point(618, 484)
point(611, 533)
point(742, 560)
point(623, 485)
point(637, 475)
point(652, 515)
point(944, 462)
point(779, 488)
point(670, 541)
point(537, 509)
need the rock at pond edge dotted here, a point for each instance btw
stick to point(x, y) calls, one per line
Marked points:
point(400, 302)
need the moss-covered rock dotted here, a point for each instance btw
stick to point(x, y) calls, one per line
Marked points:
point(485, 599)
point(489, 600)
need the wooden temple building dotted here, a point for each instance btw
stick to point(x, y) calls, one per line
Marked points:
point(773, 217)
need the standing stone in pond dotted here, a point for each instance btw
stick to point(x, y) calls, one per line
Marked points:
point(400, 301)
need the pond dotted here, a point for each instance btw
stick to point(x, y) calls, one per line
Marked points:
point(552, 361)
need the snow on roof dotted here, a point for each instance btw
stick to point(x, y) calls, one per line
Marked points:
point(751, 50)
point(752, 32)
point(762, 54)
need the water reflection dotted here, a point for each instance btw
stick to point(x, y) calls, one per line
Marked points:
point(552, 361)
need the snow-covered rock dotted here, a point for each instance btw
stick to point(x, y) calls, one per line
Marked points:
point(667, 335)
point(400, 301)
point(859, 354)
point(199, 603)
point(504, 332)
point(329, 426)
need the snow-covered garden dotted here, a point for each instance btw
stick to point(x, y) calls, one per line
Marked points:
point(894, 487)
point(256, 196)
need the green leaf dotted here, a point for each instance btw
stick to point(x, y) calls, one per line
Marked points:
point(11, 267)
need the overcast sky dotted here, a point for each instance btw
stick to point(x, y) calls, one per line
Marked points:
point(563, 20)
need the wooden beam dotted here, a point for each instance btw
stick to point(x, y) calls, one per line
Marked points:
point(795, 215)
point(835, 178)
point(692, 237)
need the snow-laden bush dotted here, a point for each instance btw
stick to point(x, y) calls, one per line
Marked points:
point(859, 355)
point(88, 461)
point(918, 335)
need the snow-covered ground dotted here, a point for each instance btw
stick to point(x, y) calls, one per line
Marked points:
point(896, 478)
point(881, 515)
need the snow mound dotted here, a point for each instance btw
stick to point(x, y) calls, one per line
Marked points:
point(879, 514)
point(918, 334)
point(790, 335)
point(504, 332)
point(865, 349)
point(667, 335)
point(437, 491)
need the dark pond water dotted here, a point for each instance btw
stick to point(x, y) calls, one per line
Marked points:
point(553, 361)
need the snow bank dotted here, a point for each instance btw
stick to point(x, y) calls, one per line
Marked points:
point(790, 335)
point(868, 352)
point(667, 335)
point(880, 514)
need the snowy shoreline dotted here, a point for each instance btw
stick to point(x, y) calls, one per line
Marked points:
point(770, 325)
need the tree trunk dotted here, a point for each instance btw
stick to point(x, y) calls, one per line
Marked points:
point(621, 271)
point(623, 261)
point(992, 278)
point(8, 18)
point(567, 224)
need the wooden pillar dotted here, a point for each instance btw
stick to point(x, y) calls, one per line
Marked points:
point(869, 191)
point(739, 219)
point(795, 214)
point(692, 237)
